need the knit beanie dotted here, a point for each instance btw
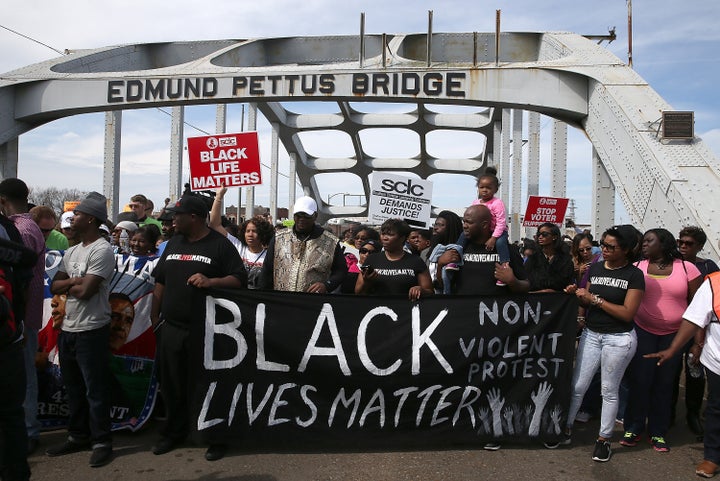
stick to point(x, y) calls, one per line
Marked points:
point(95, 204)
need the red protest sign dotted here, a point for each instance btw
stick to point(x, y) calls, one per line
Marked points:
point(545, 209)
point(230, 160)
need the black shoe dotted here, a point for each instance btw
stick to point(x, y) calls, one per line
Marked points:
point(602, 451)
point(32, 445)
point(164, 445)
point(68, 447)
point(101, 456)
point(215, 452)
point(693, 421)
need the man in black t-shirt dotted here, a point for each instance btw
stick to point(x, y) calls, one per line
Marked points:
point(195, 259)
point(481, 267)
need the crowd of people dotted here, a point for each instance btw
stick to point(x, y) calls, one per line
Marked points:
point(646, 304)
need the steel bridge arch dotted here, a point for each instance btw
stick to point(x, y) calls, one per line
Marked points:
point(562, 75)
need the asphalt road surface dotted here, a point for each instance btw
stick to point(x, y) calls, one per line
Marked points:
point(134, 461)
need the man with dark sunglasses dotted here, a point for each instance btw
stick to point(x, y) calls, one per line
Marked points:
point(46, 219)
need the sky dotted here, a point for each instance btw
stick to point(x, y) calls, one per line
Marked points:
point(675, 48)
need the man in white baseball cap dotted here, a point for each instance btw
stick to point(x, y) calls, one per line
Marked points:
point(306, 258)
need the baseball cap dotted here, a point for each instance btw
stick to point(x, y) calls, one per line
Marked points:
point(66, 219)
point(189, 204)
point(306, 205)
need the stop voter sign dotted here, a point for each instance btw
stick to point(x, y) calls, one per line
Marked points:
point(545, 209)
point(230, 160)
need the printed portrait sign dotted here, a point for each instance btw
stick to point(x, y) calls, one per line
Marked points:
point(230, 160)
point(398, 197)
point(133, 382)
point(545, 209)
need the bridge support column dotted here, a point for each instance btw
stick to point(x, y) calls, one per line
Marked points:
point(558, 159)
point(9, 158)
point(603, 203)
point(177, 126)
point(274, 154)
point(517, 164)
point(250, 199)
point(292, 183)
point(111, 161)
point(533, 163)
point(504, 160)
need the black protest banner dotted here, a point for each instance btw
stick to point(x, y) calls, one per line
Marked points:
point(305, 370)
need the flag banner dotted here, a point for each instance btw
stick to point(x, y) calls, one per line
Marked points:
point(132, 346)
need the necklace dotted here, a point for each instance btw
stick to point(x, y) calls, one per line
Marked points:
point(661, 265)
point(614, 268)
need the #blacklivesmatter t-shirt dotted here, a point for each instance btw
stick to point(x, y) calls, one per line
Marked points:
point(612, 285)
point(395, 277)
point(213, 256)
point(477, 274)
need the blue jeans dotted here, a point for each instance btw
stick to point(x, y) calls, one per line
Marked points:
point(447, 275)
point(712, 418)
point(85, 366)
point(13, 437)
point(611, 353)
point(651, 386)
point(31, 393)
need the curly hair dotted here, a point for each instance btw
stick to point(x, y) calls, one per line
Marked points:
point(400, 227)
point(489, 173)
point(688, 231)
point(151, 233)
point(264, 229)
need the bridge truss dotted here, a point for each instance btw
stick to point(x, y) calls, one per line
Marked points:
point(561, 75)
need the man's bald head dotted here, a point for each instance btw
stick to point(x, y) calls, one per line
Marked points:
point(476, 223)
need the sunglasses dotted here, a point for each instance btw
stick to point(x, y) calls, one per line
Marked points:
point(685, 243)
point(363, 250)
point(585, 249)
point(608, 247)
point(544, 234)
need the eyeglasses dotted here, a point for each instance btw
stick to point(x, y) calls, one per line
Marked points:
point(363, 250)
point(681, 243)
point(584, 249)
point(544, 233)
point(608, 247)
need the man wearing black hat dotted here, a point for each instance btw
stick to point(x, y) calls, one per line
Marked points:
point(195, 258)
point(83, 347)
point(14, 204)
